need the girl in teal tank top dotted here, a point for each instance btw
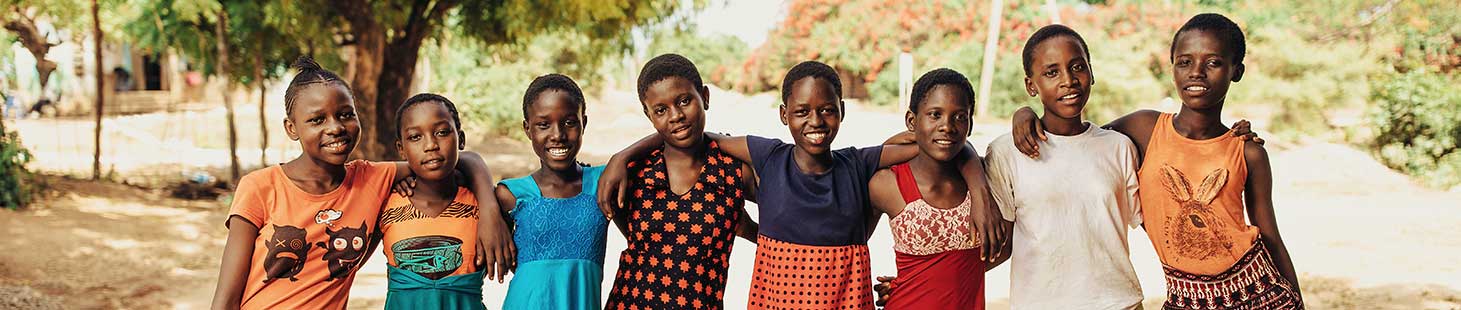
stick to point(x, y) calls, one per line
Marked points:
point(557, 226)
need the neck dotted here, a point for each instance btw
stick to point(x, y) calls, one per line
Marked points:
point(444, 189)
point(552, 176)
point(692, 154)
point(812, 164)
point(942, 169)
point(1062, 126)
point(1199, 124)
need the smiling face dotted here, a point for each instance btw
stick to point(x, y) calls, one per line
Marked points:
point(677, 107)
point(554, 124)
point(941, 123)
point(429, 140)
point(1060, 75)
point(323, 120)
point(813, 113)
point(1202, 69)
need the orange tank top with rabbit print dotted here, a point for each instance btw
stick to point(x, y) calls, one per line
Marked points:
point(1191, 194)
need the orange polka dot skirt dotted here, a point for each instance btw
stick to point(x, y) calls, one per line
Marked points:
point(794, 276)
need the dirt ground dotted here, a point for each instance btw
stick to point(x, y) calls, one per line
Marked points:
point(1361, 236)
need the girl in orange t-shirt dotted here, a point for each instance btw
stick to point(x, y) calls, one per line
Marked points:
point(299, 231)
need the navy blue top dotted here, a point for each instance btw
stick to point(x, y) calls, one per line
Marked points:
point(830, 209)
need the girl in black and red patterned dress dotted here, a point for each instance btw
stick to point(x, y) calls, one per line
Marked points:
point(684, 201)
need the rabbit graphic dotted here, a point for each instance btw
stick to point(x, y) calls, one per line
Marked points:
point(1196, 229)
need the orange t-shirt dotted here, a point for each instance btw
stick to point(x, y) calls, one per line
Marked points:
point(1191, 194)
point(309, 245)
point(433, 247)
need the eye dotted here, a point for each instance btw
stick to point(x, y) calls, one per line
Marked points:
point(413, 137)
point(1183, 63)
point(659, 109)
point(357, 243)
point(347, 115)
point(570, 123)
point(1080, 67)
point(1214, 63)
point(339, 243)
point(800, 112)
point(316, 120)
point(443, 132)
point(542, 125)
point(684, 101)
point(295, 244)
point(1050, 73)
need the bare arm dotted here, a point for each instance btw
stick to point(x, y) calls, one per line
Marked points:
point(1259, 201)
point(747, 228)
point(233, 273)
point(735, 146)
point(496, 251)
point(882, 191)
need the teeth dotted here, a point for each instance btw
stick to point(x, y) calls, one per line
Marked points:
point(816, 136)
point(1196, 88)
point(558, 151)
point(943, 142)
point(1070, 96)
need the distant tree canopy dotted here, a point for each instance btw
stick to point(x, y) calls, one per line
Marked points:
point(385, 37)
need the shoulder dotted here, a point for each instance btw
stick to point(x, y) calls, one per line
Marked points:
point(593, 171)
point(1254, 153)
point(884, 177)
point(1001, 145)
point(1111, 137)
point(758, 142)
point(373, 169)
point(261, 180)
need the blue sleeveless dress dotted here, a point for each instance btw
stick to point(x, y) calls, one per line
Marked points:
point(560, 247)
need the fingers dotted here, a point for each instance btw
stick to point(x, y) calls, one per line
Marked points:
point(511, 255)
point(619, 197)
point(491, 265)
point(1040, 131)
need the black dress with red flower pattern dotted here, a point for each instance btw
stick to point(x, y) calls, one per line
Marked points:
point(679, 244)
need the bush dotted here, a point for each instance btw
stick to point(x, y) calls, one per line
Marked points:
point(16, 184)
point(1417, 118)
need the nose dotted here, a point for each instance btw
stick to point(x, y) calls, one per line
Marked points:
point(334, 127)
point(1071, 79)
point(1197, 72)
point(557, 133)
point(433, 143)
point(676, 115)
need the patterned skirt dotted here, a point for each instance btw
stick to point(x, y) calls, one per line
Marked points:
point(794, 276)
point(1251, 283)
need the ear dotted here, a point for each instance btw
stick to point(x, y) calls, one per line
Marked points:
point(908, 120)
point(704, 96)
point(1176, 183)
point(289, 129)
point(1238, 72)
point(461, 141)
point(400, 149)
point(1211, 185)
point(841, 108)
point(1030, 87)
point(525, 131)
point(782, 113)
point(582, 125)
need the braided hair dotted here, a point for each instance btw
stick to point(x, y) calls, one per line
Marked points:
point(310, 73)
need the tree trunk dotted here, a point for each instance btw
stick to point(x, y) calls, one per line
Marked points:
point(365, 70)
point(991, 48)
point(220, 31)
point(100, 83)
point(263, 116)
point(34, 41)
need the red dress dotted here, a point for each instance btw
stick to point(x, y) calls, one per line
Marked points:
point(937, 255)
point(679, 245)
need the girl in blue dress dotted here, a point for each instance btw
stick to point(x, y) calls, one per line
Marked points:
point(557, 226)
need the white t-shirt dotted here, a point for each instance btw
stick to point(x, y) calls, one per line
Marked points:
point(1071, 207)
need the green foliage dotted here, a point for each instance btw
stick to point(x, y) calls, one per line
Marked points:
point(255, 34)
point(1417, 119)
point(489, 90)
point(16, 184)
point(717, 56)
